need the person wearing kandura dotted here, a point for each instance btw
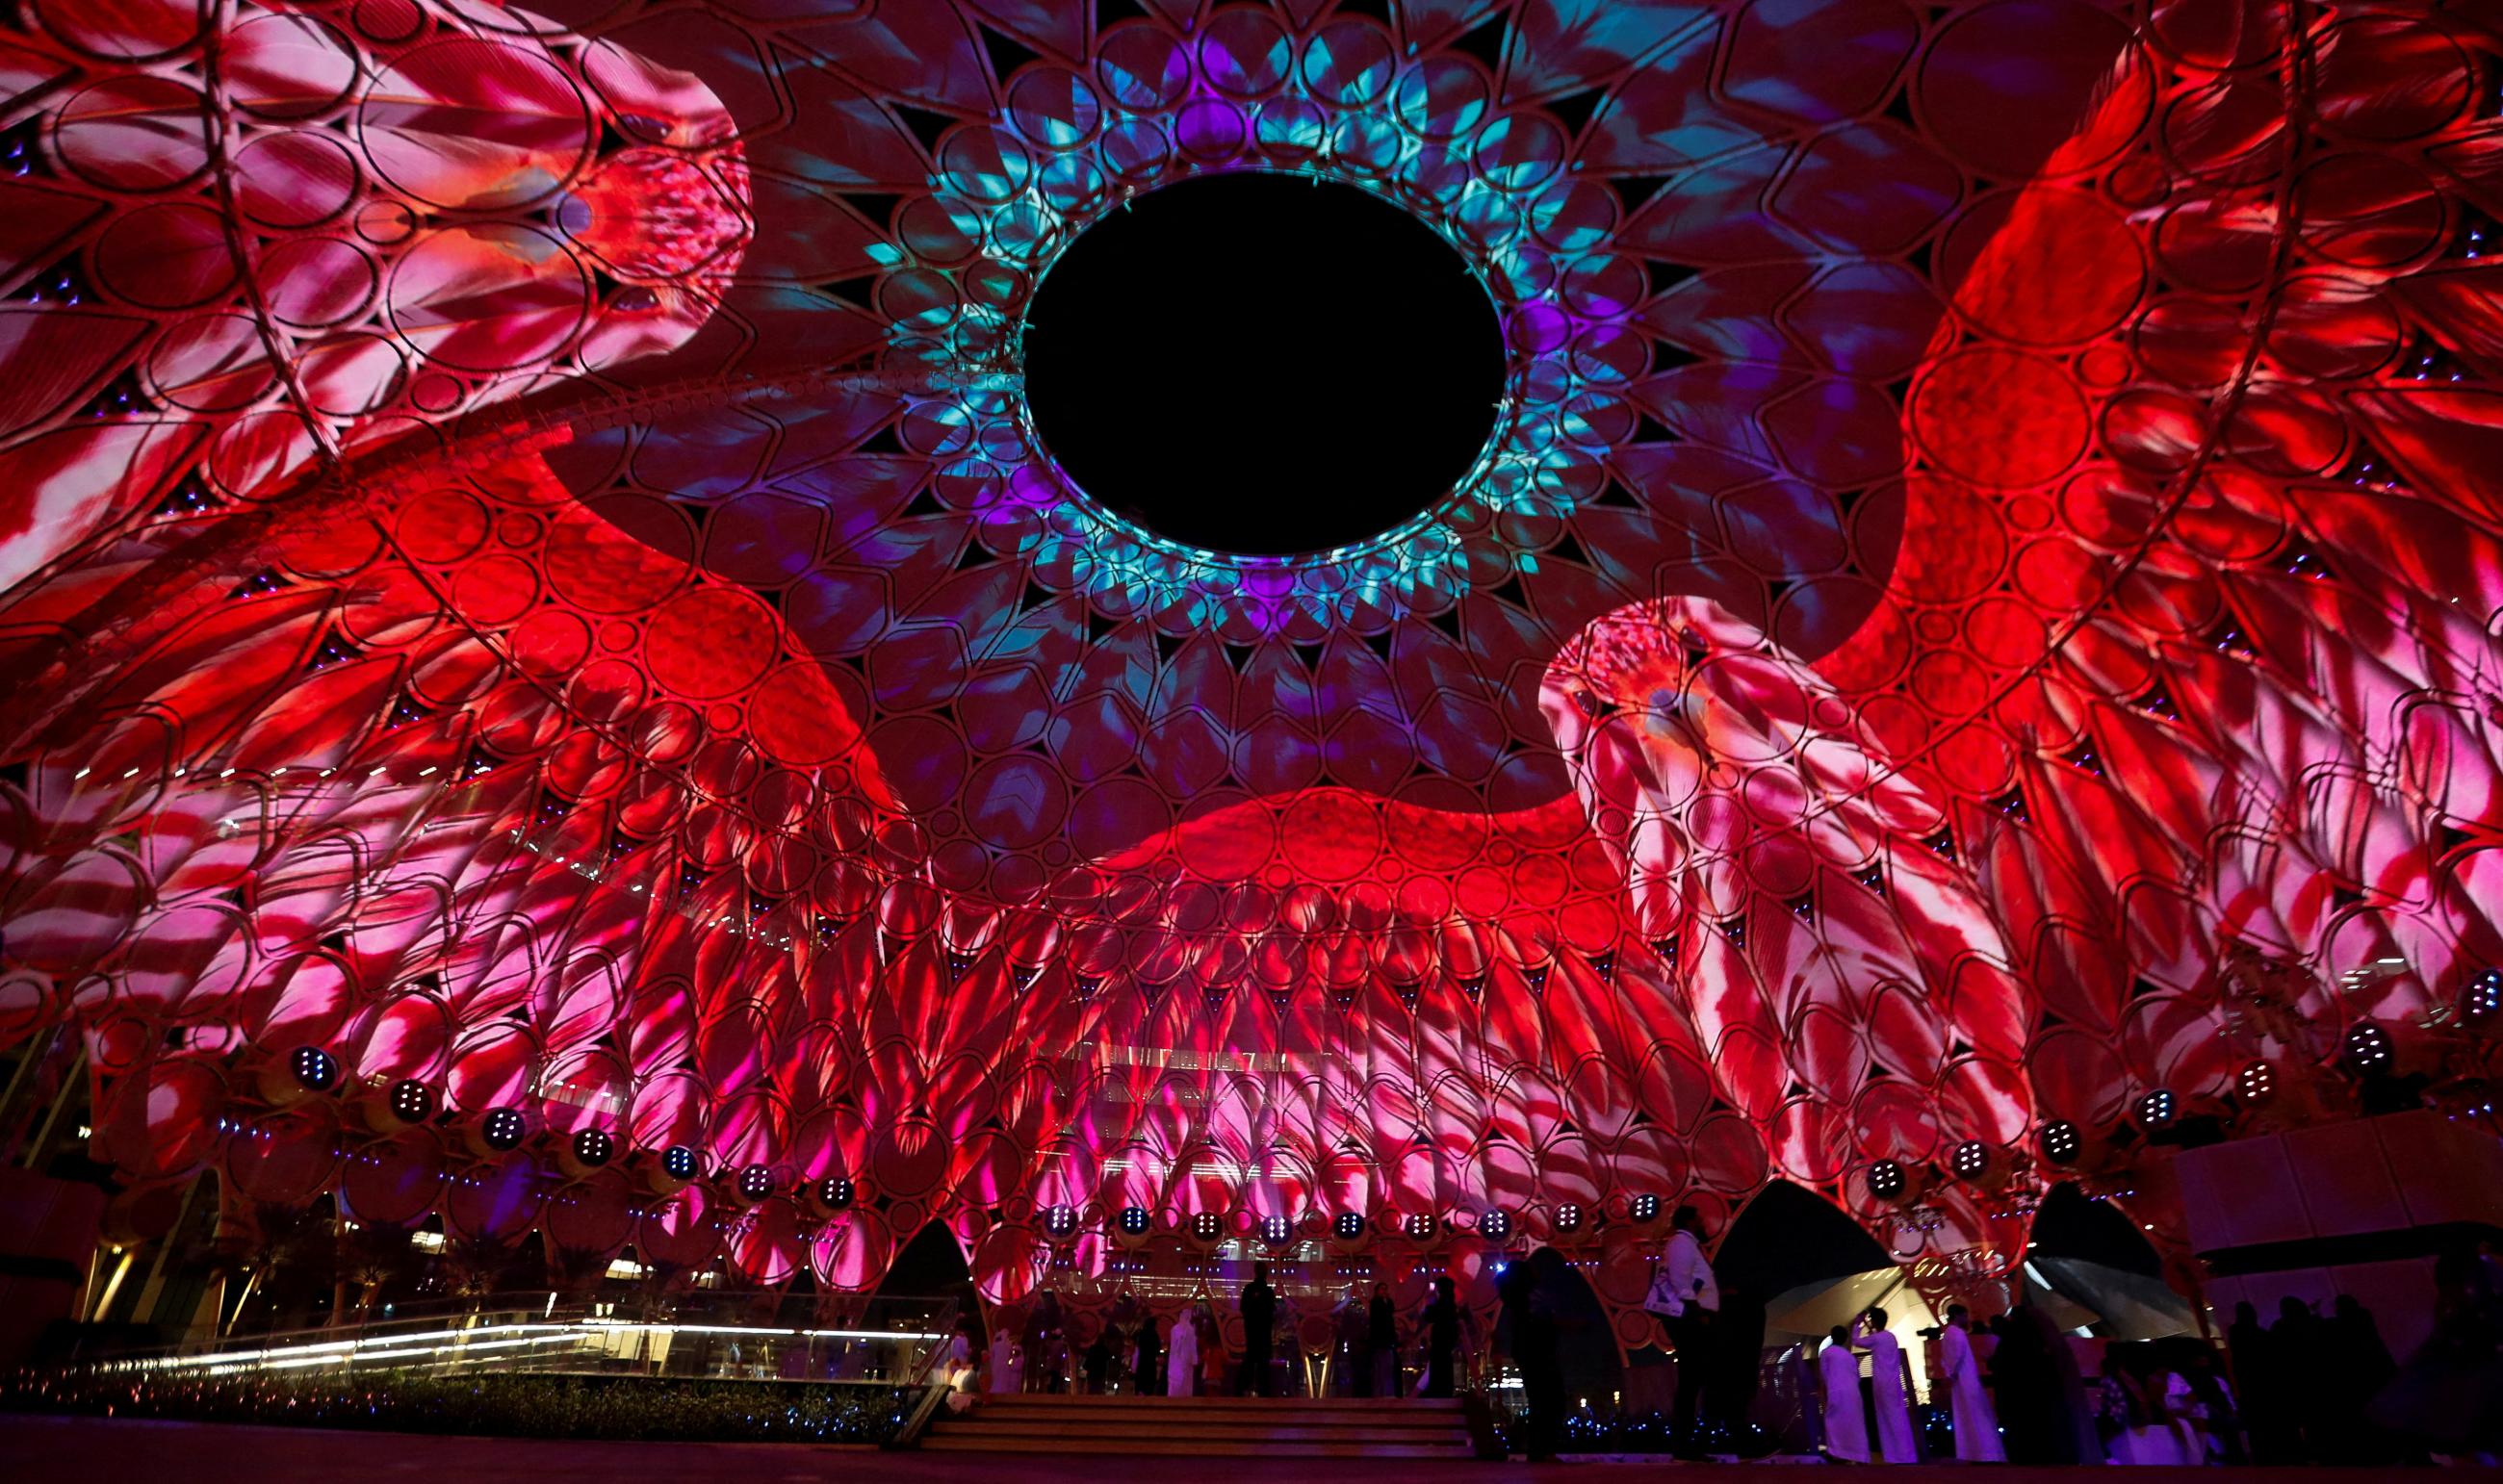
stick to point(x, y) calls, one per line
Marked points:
point(1837, 1374)
point(1976, 1423)
point(1890, 1388)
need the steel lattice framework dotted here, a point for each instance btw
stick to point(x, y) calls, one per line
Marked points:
point(525, 568)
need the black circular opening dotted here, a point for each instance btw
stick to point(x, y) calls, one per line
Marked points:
point(1263, 364)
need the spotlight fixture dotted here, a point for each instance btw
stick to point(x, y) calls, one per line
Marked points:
point(1496, 1225)
point(411, 1102)
point(1348, 1226)
point(1568, 1218)
point(1135, 1221)
point(2157, 1109)
point(835, 1193)
point(2063, 1143)
point(2482, 999)
point(1276, 1230)
point(1419, 1226)
point(1644, 1208)
point(2256, 1083)
point(755, 1182)
point(1971, 1160)
point(1887, 1180)
point(1060, 1222)
point(2367, 1048)
point(1205, 1226)
point(315, 1070)
point(502, 1130)
point(678, 1162)
point(592, 1147)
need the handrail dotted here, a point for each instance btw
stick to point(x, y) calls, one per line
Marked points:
point(669, 1338)
point(924, 1413)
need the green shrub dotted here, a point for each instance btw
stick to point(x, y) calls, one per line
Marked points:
point(513, 1406)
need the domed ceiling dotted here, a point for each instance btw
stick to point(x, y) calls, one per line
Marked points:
point(528, 567)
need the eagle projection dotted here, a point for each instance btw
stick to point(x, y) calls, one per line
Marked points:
point(529, 584)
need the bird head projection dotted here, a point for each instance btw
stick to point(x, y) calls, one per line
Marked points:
point(533, 569)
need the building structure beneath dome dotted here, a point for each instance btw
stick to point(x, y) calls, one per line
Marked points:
point(570, 696)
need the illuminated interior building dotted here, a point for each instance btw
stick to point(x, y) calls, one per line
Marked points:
point(701, 636)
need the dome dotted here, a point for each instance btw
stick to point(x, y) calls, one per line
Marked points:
point(528, 566)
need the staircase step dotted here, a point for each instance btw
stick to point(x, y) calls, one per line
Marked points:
point(1225, 1406)
point(1209, 1447)
point(1349, 1434)
point(1208, 1427)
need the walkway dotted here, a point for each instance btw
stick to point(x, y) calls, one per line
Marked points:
point(40, 1450)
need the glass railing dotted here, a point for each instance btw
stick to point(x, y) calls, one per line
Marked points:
point(765, 1336)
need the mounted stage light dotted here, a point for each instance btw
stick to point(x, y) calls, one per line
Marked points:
point(1060, 1222)
point(1496, 1227)
point(498, 1131)
point(411, 1102)
point(755, 1183)
point(836, 1193)
point(1644, 1208)
point(1568, 1219)
point(1277, 1230)
point(1207, 1227)
point(589, 1150)
point(2255, 1083)
point(1971, 1160)
point(1135, 1221)
point(307, 1071)
point(1888, 1180)
point(2157, 1110)
point(2366, 1051)
point(1348, 1226)
point(315, 1070)
point(1419, 1226)
point(2063, 1143)
point(2480, 1000)
point(404, 1103)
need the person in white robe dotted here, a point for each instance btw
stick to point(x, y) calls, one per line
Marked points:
point(1891, 1387)
point(1976, 1425)
point(1847, 1426)
point(1181, 1357)
point(1007, 1366)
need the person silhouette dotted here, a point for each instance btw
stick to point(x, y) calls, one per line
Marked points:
point(1442, 1337)
point(1382, 1345)
point(1259, 1318)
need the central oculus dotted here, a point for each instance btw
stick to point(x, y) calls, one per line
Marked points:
point(1263, 364)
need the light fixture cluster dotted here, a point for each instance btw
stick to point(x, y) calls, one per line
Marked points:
point(315, 1070)
point(502, 1130)
point(411, 1102)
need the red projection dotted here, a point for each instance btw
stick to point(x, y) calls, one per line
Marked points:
point(523, 566)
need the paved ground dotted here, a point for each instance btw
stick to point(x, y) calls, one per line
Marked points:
point(36, 1450)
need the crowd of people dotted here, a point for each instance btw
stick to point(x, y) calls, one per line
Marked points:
point(2308, 1388)
point(1138, 1353)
